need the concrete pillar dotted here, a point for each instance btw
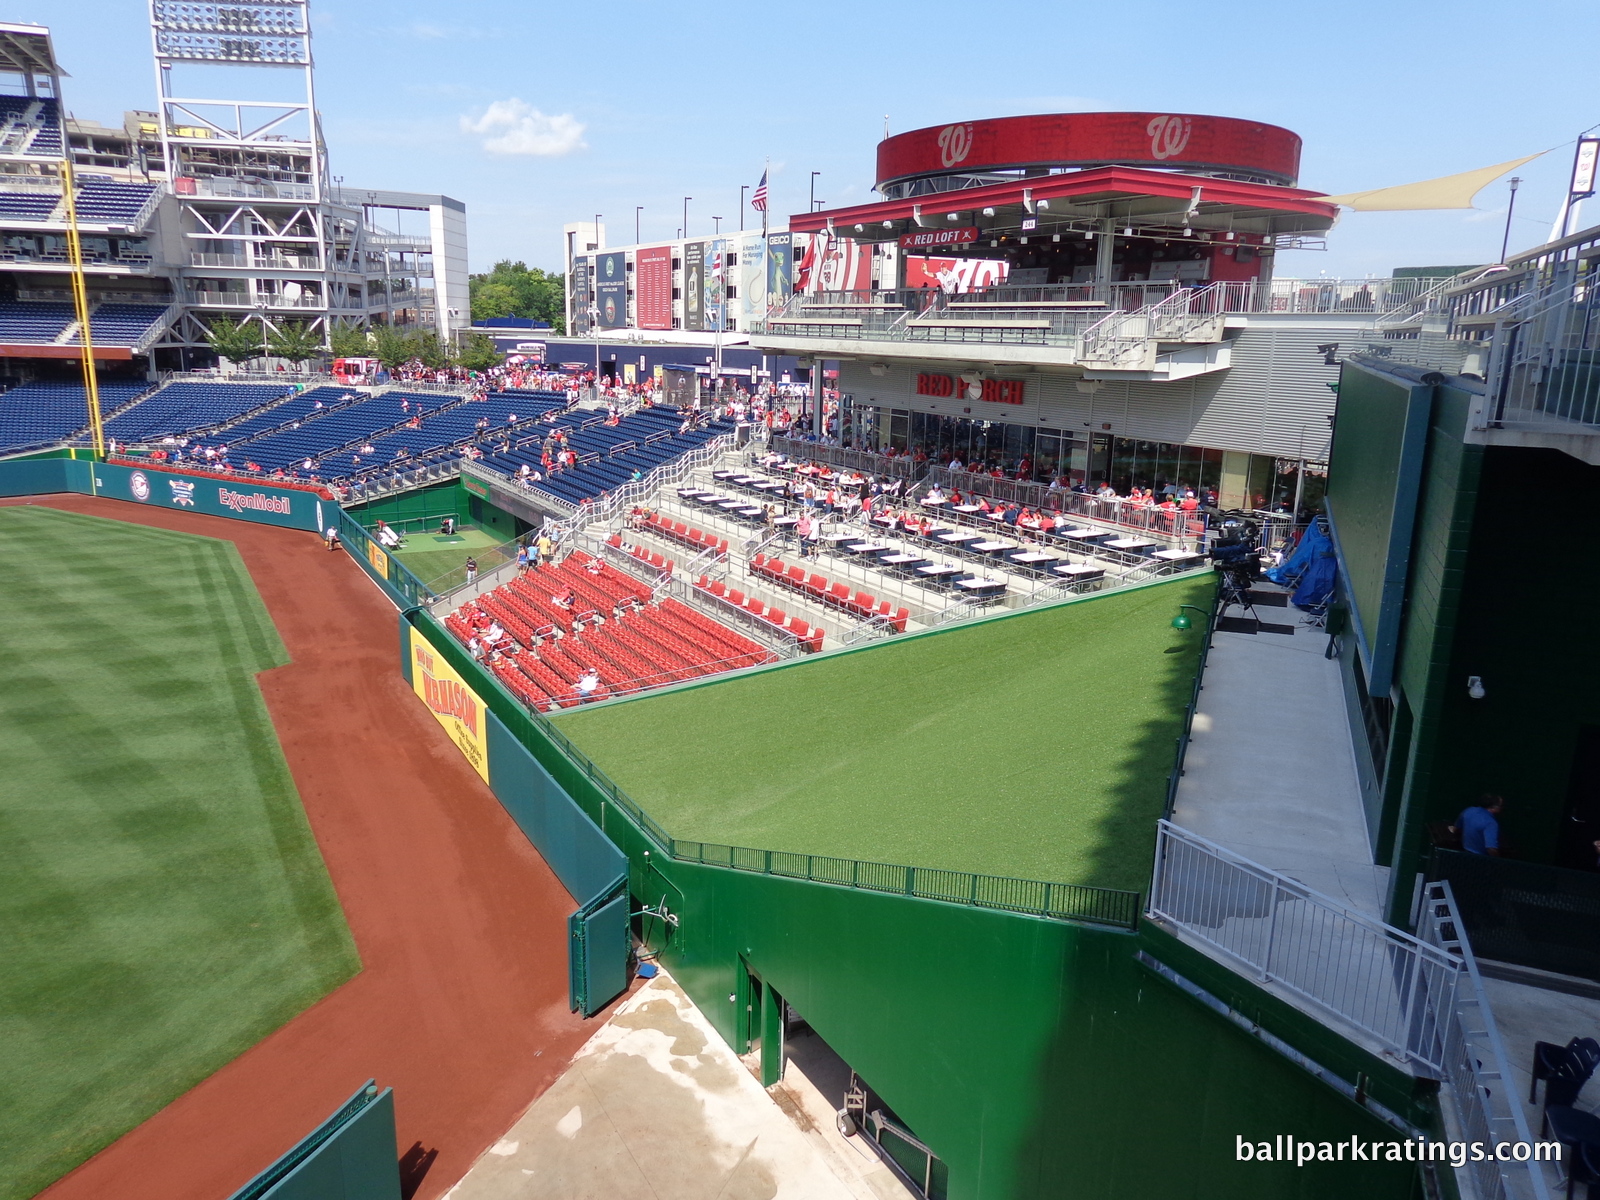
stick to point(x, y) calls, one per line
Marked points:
point(1104, 248)
point(1235, 479)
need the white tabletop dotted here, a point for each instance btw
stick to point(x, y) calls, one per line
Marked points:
point(1079, 569)
point(865, 548)
point(939, 570)
point(1033, 557)
point(966, 508)
point(1176, 555)
point(973, 585)
point(899, 560)
point(958, 536)
point(990, 547)
point(1127, 543)
point(1079, 533)
point(929, 503)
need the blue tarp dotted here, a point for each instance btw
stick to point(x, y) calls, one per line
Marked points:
point(1310, 570)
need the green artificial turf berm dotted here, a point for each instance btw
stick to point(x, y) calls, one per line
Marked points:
point(163, 905)
point(1036, 746)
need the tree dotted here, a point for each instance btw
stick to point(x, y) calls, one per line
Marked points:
point(390, 346)
point(479, 354)
point(295, 341)
point(512, 289)
point(235, 340)
point(349, 341)
point(426, 347)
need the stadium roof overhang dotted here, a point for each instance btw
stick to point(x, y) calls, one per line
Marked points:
point(26, 49)
point(1154, 203)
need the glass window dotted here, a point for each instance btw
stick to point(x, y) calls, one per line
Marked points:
point(899, 429)
point(1046, 453)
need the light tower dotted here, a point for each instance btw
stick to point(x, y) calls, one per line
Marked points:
point(262, 235)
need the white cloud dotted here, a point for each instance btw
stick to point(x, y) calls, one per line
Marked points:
point(516, 127)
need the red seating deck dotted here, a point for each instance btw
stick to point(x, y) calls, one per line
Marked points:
point(834, 595)
point(609, 625)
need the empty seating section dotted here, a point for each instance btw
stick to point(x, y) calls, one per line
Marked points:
point(441, 430)
point(122, 324)
point(798, 628)
point(324, 432)
point(826, 592)
point(34, 321)
point(36, 413)
point(106, 202)
point(295, 408)
point(180, 408)
point(608, 455)
point(29, 205)
point(685, 535)
point(563, 620)
point(30, 125)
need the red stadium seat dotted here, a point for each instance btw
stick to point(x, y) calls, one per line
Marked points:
point(900, 621)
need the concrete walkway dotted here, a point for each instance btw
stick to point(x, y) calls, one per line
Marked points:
point(1271, 772)
point(657, 1106)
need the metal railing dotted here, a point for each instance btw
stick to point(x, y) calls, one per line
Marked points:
point(1482, 1095)
point(1370, 979)
point(799, 450)
point(892, 314)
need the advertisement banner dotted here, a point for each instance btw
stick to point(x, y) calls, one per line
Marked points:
point(955, 275)
point(578, 286)
point(453, 704)
point(611, 289)
point(780, 267)
point(846, 266)
point(652, 287)
point(753, 279)
point(716, 285)
point(694, 282)
point(248, 501)
point(379, 558)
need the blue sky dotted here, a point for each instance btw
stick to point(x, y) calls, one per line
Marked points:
point(537, 114)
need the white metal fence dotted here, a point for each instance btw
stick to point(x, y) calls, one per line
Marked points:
point(1416, 999)
point(1381, 983)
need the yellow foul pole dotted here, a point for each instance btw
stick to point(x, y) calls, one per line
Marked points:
point(80, 305)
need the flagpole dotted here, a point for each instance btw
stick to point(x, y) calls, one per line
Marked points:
point(766, 173)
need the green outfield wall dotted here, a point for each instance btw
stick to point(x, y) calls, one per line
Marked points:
point(1038, 1057)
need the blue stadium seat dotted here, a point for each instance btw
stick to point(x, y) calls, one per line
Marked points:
point(43, 413)
point(31, 125)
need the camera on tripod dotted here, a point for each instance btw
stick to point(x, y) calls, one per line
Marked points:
point(1236, 547)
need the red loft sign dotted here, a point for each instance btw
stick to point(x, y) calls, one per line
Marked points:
point(990, 391)
point(1167, 140)
point(931, 239)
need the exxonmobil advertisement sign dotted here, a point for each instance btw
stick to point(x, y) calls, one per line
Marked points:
point(216, 497)
point(1140, 139)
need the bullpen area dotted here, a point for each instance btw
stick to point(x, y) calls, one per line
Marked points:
point(163, 904)
point(1036, 746)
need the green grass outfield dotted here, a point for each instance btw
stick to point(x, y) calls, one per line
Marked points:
point(1035, 746)
point(163, 905)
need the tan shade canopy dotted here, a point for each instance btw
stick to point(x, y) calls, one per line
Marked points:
point(1448, 191)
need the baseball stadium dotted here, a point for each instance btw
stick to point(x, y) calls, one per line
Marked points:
point(518, 782)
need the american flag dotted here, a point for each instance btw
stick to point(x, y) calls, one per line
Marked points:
point(759, 200)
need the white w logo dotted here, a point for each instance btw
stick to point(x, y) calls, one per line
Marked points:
point(1168, 136)
point(955, 143)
